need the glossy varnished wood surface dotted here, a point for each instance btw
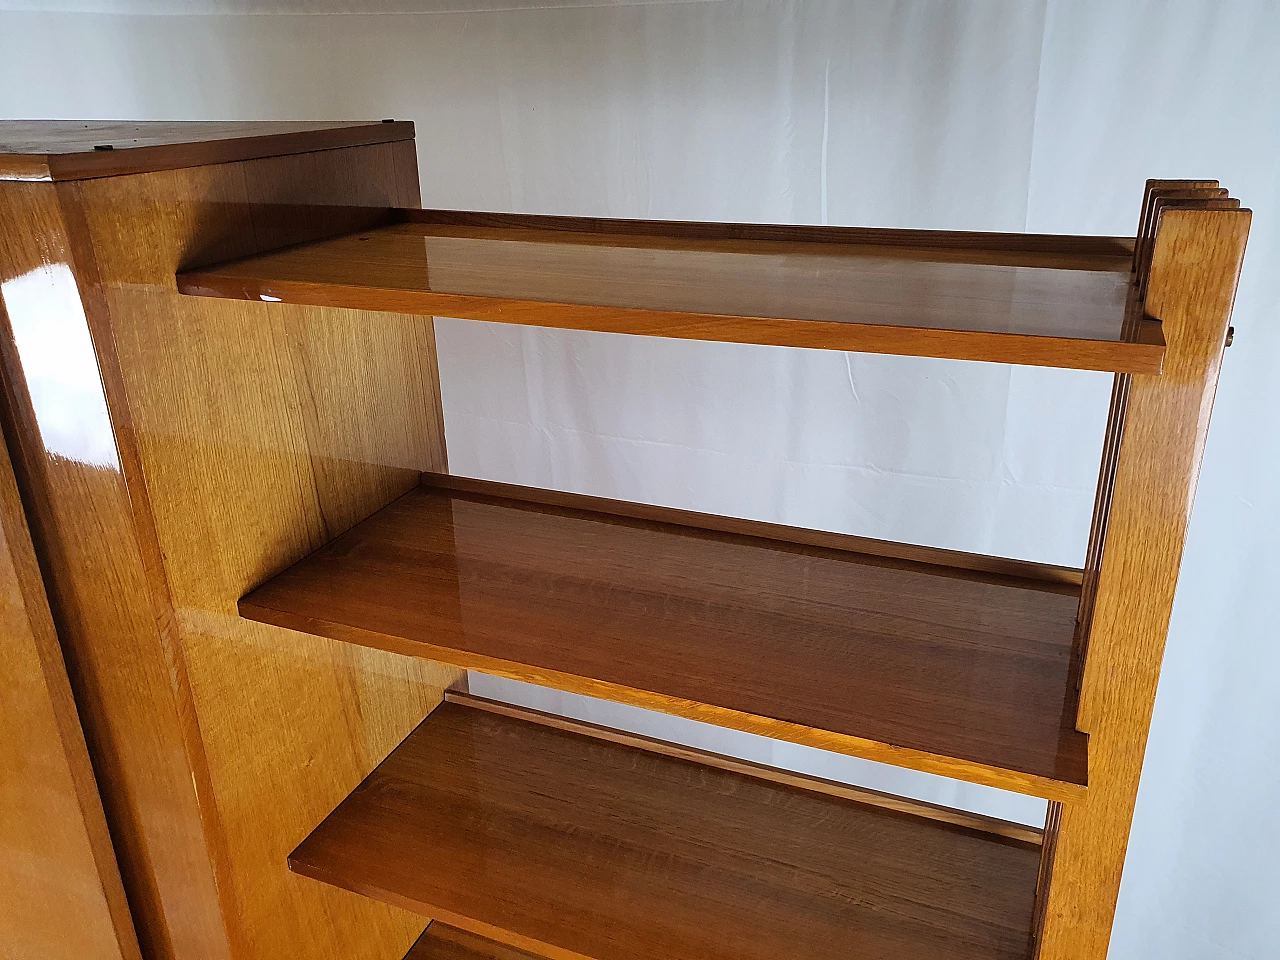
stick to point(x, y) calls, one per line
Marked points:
point(997, 299)
point(1061, 251)
point(60, 888)
point(865, 795)
point(230, 439)
point(70, 149)
point(443, 942)
point(59, 430)
point(573, 847)
point(952, 671)
point(1195, 263)
point(1157, 193)
point(318, 419)
point(888, 549)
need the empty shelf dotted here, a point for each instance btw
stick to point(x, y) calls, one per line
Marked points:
point(1009, 298)
point(962, 672)
point(572, 846)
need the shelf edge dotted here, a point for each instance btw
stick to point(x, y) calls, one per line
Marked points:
point(1116, 356)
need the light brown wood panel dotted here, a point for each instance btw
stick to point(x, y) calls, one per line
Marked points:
point(118, 661)
point(823, 288)
point(62, 894)
point(1195, 265)
point(1158, 193)
point(259, 437)
point(1142, 242)
point(68, 149)
point(227, 439)
point(572, 846)
point(952, 671)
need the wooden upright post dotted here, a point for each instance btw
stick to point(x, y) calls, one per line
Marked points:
point(1194, 267)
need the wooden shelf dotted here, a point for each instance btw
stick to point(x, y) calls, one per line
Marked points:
point(443, 942)
point(944, 662)
point(571, 846)
point(1008, 298)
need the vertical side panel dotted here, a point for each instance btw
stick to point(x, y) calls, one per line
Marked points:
point(262, 431)
point(69, 469)
point(1194, 269)
point(63, 896)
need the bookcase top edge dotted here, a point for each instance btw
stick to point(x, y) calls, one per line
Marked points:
point(60, 150)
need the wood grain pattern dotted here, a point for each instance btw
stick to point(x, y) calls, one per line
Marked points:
point(1101, 514)
point(1195, 265)
point(1146, 219)
point(1176, 195)
point(215, 442)
point(1158, 194)
point(1054, 250)
point(867, 291)
point(317, 420)
point(951, 671)
point(68, 466)
point(1048, 848)
point(225, 739)
point(832, 788)
point(67, 149)
point(936, 556)
point(572, 847)
point(443, 942)
point(61, 885)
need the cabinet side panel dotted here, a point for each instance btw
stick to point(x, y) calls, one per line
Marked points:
point(262, 431)
point(69, 470)
point(62, 888)
point(78, 508)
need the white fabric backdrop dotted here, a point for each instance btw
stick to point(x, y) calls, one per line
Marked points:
point(983, 115)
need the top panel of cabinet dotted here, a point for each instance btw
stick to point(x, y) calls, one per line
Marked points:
point(49, 150)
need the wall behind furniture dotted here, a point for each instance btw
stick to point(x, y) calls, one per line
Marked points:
point(982, 115)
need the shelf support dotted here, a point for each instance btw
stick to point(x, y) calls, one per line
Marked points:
point(1194, 267)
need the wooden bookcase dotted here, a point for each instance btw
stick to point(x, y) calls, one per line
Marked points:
point(268, 586)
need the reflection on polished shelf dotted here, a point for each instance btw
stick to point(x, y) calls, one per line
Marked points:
point(922, 662)
point(1009, 298)
point(277, 444)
